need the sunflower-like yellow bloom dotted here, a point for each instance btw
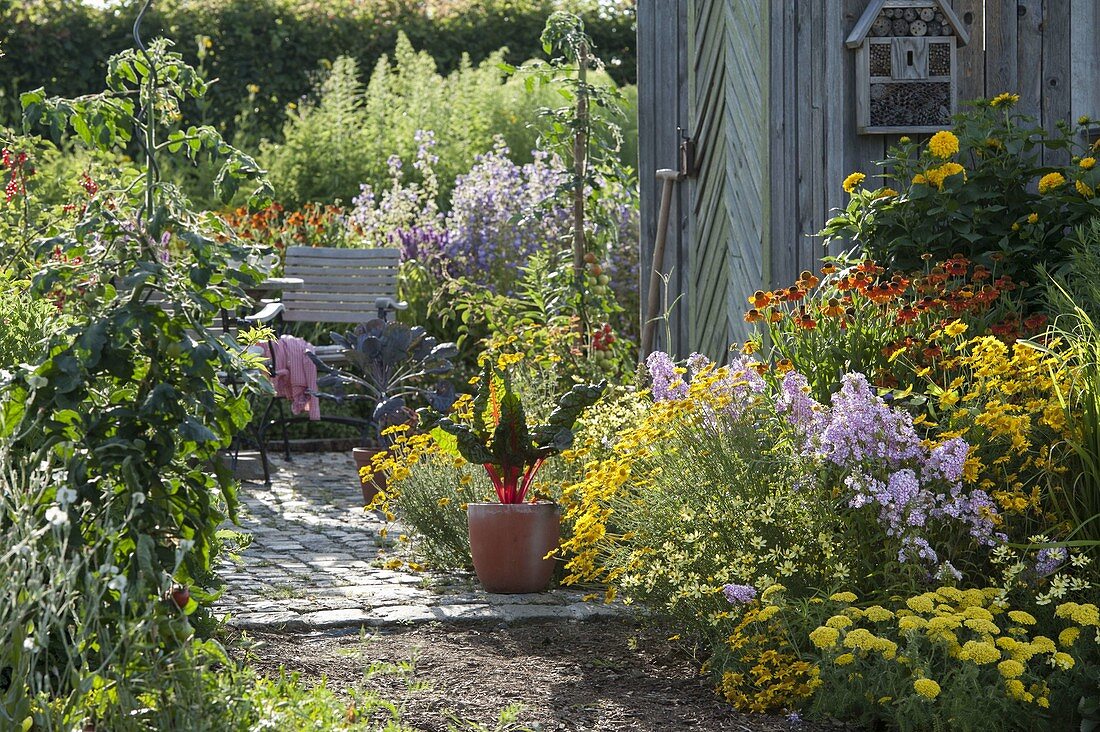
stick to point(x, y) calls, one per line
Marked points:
point(943, 144)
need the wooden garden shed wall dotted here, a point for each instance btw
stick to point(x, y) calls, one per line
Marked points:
point(766, 90)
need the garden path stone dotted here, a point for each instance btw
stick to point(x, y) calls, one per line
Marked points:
point(316, 562)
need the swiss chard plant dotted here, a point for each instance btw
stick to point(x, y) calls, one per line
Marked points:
point(499, 438)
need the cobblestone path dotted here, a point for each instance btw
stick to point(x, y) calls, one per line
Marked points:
point(315, 562)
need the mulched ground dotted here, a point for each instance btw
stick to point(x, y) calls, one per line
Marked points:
point(567, 676)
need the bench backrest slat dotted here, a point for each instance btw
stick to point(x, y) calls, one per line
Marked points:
point(339, 285)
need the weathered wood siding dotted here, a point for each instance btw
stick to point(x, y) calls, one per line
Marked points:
point(662, 109)
point(773, 109)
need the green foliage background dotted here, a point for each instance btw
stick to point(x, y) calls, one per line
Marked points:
point(63, 45)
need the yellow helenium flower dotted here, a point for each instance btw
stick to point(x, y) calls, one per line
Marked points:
point(843, 597)
point(955, 329)
point(852, 181)
point(1021, 617)
point(943, 144)
point(1011, 669)
point(927, 688)
point(1050, 181)
point(824, 637)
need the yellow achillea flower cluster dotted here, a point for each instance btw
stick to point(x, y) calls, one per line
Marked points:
point(943, 144)
point(1050, 182)
point(955, 626)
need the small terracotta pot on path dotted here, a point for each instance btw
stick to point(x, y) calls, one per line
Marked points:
point(370, 485)
point(509, 541)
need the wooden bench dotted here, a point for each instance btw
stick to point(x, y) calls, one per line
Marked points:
point(338, 286)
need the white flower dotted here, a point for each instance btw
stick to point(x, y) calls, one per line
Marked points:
point(138, 498)
point(29, 645)
point(57, 516)
point(118, 582)
point(35, 381)
point(65, 496)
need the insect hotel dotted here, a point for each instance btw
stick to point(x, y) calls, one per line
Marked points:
point(906, 71)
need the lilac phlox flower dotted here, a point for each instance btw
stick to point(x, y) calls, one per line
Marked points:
point(978, 511)
point(1048, 561)
point(861, 428)
point(739, 594)
point(917, 547)
point(803, 412)
point(946, 572)
point(667, 381)
point(946, 461)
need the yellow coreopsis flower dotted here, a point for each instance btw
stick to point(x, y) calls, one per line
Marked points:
point(955, 329)
point(1050, 182)
point(943, 144)
point(852, 181)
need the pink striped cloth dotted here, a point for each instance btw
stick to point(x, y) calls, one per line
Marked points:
point(295, 376)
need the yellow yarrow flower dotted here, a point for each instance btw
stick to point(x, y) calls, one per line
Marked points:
point(771, 590)
point(767, 613)
point(844, 659)
point(824, 636)
point(980, 652)
point(943, 144)
point(1050, 181)
point(1068, 637)
point(1062, 660)
point(878, 614)
point(922, 603)
point(1011, 669)
point(838, 621)
point(911, 622)
point(1021, 617)
point(927, 688)
point(1042, 644)
point(843, 597)
point(853, 181)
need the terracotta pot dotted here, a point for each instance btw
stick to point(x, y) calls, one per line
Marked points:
point(370, 486)
point(508, 542)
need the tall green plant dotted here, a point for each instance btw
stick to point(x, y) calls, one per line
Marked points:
point(130, 403)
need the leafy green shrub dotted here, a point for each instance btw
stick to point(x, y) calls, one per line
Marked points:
point(347, 134)
point(980, 191)
point(276, 44)
point(25, 323)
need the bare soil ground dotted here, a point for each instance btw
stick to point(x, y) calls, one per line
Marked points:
point(567, 676)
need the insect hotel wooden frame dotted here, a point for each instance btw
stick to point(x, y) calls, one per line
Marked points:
point(906, 71)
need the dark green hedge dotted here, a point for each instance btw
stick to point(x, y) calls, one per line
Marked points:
point(277, 44)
